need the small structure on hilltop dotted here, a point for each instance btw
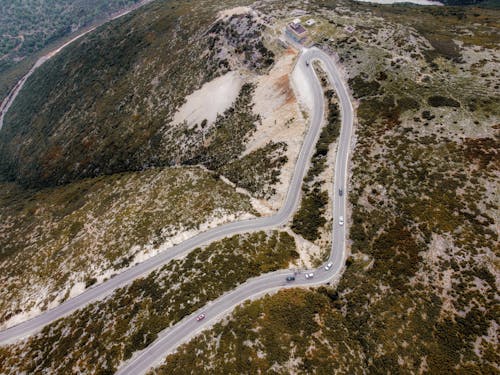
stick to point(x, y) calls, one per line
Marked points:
point(350, 29)
point(310, 22)
point(296, 31)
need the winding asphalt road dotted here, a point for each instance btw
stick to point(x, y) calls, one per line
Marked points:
point(182, 332)
point(253, 287)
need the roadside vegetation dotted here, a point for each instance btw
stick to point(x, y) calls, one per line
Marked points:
point(57, 239)
point(295, 331)
point(311, 216)
point(100, 336)
point(419, 293)
point(104, 104)
point(259, 170)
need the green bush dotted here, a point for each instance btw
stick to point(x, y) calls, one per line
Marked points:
point(442, 101)
point(363, 88)
point(259, 170)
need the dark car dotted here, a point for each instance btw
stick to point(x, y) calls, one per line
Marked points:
point(341, 192)
point(290, 278)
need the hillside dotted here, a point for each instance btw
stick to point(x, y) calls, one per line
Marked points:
point(117, 149)
point(78, 208)
point(56, 242)
point(27, 27)
point(106, 102)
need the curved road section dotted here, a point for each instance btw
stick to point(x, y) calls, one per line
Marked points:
point(189, 327)
point(266, 282)
point(7, 103)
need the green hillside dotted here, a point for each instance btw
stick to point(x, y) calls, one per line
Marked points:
point(419, 294)
point(29, 28)
point(104, 104)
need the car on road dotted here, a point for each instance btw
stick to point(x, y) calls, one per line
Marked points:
point(341, 192)
point(307, 62)
point(200, 317)
point(290, 278)
point(341, 220)
point(328, 266)
point(309, 275)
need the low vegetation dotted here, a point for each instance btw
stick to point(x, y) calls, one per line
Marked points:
point(105, 333)
point(59, 238)
point(419, 293)
point(294, 331)
point(105, 103)
point(225, 140)
point(259, 170)
point(310, 216)
point(240, 36)
point(442, 101)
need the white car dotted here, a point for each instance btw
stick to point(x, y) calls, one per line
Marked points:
point(328, 266)
point(341, 220)
point(309, 275)
point(200, 317)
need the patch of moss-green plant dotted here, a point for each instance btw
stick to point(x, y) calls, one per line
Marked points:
point(310, 217)
point(259, 170)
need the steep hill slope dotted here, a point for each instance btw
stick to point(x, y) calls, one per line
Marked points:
point(56, 242)
point(104, 104)
point(420, 291)
point(29, 28)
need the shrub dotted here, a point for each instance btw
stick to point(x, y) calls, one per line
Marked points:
point(442, 101)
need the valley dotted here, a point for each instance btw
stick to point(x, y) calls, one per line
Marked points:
point(164, 175)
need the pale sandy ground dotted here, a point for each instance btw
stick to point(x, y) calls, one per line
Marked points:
point(302, 89)
point(307, 250)
point(211, 99)
point(282, 120)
